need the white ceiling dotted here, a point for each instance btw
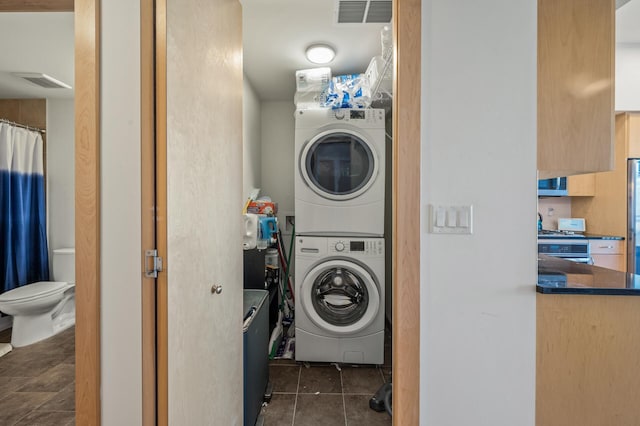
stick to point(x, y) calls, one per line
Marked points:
point(628, 23)
point(276, 33)
point(35, 42)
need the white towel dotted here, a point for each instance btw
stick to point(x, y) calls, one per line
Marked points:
point(5, 348)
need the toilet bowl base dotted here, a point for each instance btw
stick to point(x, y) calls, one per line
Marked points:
point(30, 329)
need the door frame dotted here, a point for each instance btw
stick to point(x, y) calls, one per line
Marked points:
point(406, 204)
point(87, 210)
point(407, 15)
point(406, 210)
point(87, 194)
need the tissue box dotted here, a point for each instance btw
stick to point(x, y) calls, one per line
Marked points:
point(262, 207)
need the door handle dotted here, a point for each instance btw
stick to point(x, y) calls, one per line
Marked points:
point(216, 289)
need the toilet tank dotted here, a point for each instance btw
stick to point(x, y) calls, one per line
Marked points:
point(64, 265)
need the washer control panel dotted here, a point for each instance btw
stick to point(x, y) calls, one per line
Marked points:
point(367, 246)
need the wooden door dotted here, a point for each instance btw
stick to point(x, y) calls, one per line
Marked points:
point(199, 151)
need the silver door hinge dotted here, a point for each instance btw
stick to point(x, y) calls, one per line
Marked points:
point(151, 258)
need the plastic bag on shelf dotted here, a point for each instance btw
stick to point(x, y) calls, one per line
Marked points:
point(348, 91)
point(313, 79)
point(311, 87)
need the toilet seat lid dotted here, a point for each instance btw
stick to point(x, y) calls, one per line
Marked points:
point(31, 291)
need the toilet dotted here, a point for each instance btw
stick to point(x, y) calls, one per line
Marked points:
point(43, 309)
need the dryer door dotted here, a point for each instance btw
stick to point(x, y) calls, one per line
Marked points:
point(338, 164)
point(340, 296)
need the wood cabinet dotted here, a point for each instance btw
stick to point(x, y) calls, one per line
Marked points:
point(581, 185)
point(588, 369)
point(606, 212)
point(576, 46)
point(608, 254)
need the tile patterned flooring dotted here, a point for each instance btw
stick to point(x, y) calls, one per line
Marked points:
point(37, 387)
point(316, 394)
point(37, 382)
point(320, 394)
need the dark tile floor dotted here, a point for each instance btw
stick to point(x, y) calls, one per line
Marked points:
point(37, 382)
point(322, 394)
point(37, 388)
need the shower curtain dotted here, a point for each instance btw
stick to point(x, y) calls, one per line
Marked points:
point(24, 255)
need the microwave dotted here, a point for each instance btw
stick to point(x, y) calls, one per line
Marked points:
point(556, 187)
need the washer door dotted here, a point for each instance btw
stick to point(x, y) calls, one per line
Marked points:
point(338, 165)
point(340, 296)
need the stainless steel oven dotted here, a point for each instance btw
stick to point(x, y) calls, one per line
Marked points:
point(575, 250)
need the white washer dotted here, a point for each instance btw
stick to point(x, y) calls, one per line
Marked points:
point(339, 294)
point(339, 172)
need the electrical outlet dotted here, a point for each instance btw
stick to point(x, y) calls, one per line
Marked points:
point(286, 222)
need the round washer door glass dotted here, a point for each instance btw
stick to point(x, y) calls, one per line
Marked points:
point(340, 296)
point(339, 165)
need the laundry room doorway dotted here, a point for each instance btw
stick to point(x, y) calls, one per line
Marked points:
point(406, 225)
point(279, 160)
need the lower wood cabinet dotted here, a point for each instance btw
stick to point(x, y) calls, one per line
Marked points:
point(588, 369)
point(608, 254)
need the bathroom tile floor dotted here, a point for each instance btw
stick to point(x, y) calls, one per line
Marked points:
point(318, 394)
point(37, 382)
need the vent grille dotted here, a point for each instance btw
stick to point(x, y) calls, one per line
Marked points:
point(379, 11)
point(363, 11)
point(43, 80)
point(350, 12)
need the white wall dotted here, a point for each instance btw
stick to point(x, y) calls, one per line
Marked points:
point(479, 148)
point(277, 152)
point(278, 133)
point(60, 174)
point(120, 214)
point(627, 97)
point(251, 136)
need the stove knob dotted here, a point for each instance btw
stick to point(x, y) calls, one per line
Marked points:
point(339, 114)
point(339, 246)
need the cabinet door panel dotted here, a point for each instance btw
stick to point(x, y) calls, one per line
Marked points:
point(606, 247)
point(576, 44)
point(581, 185)
point(611, 261)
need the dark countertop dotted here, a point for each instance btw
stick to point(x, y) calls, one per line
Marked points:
point(579, 236)
point(559, 276)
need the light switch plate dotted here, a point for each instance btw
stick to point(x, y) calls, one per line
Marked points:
point(450, 219)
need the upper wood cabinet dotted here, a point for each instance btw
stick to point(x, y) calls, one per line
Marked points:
point(581, 186)
point(576, 46)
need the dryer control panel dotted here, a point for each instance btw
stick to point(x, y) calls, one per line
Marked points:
point(369, 118)
point(367, 246)
point(359, 115)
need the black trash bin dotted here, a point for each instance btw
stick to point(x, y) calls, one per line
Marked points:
point(255, 341)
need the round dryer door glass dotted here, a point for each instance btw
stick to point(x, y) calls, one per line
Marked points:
point(339, 165)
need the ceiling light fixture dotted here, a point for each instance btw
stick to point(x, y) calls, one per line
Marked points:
point(320, 53)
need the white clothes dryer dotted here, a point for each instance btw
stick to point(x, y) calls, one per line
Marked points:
point(339, 297)
point(340, 172)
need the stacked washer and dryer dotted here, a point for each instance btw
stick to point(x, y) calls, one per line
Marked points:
point(340, 254)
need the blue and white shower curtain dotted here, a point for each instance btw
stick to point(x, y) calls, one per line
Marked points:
point(24, 255)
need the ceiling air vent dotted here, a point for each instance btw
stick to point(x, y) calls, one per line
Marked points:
point(363, 11)
point(43, 80)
